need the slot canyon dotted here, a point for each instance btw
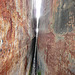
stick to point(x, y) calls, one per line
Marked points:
point(37, 37)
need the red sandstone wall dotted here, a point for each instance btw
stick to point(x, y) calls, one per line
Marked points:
point(15, 18)
point(56, 41)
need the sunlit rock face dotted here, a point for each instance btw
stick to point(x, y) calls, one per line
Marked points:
point(56, 40)
point(15, 36)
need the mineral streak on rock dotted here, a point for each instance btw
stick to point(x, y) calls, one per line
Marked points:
point(56, 40)
point(14, 33)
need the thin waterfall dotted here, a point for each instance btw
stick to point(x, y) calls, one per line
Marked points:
point(37, 5)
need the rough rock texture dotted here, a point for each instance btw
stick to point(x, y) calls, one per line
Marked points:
point(15, 36)
point(56, 40)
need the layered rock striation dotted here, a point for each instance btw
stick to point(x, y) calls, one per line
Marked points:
point(15, 36)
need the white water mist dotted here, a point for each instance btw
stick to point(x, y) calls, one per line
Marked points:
point(38, 7)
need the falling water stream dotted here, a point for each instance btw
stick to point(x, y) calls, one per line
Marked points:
point(37, 7)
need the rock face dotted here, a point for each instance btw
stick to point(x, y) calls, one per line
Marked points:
point(15, 36)
point(56, 40)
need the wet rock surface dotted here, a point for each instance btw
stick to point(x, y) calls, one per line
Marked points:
point(56, 40)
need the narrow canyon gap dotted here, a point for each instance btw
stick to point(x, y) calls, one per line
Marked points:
point(37, 37)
